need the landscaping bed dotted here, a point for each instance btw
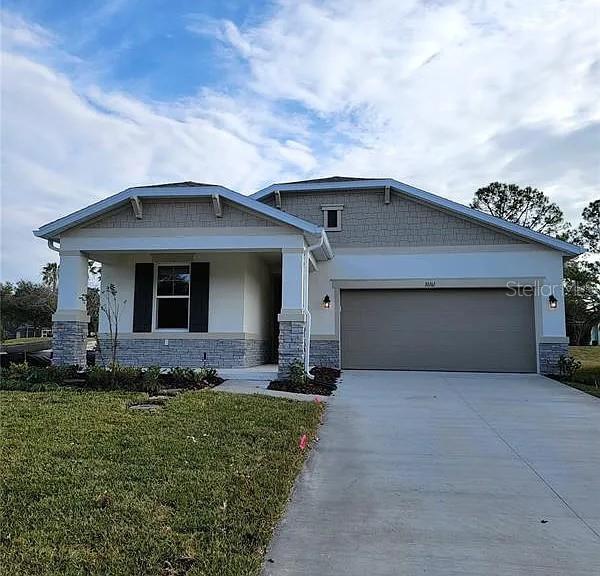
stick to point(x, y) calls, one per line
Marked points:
point(151, 380)
point(90, 487)
point(322, 381)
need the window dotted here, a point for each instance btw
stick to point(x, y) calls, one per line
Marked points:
point(332, 217)
point(172, 297)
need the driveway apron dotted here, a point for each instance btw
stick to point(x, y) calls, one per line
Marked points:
point(447, 474)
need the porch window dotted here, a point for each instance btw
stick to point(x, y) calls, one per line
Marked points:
point(173, 297)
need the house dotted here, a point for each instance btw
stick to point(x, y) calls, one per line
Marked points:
point(350, 272)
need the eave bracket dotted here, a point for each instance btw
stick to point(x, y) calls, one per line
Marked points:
point(136, 204)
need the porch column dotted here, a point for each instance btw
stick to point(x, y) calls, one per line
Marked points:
point(70, 321)
point(292, 319)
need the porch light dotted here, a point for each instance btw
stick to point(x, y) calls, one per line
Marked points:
point(552, 301)
point(326, 303)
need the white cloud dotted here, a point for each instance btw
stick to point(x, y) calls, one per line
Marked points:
point(438, 92)
point(64, 148)
point(445, 95)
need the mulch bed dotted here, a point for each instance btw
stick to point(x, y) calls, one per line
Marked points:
point(323, 383)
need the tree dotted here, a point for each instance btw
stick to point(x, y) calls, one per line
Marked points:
point(527, 207)
point(588, 233)
point(109, 305)
point(582, 299)
point(50, 276)
point(26, 303)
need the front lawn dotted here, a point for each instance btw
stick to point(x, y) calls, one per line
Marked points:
point(21, 341)
point(90, 487)
point(587, 378)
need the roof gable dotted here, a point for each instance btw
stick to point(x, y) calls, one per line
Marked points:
point(52, 230)
point(336, 183)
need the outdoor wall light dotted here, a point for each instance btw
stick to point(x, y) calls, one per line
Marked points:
point(326, 303)
point(552, 301)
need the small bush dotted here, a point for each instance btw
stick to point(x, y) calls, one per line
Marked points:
point(297, 373)
point(568, 367)
point(35, 378)
point(185, 377)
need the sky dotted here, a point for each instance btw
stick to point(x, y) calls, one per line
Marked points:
point(444, 95)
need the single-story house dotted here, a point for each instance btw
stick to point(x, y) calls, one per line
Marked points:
point(349, 272)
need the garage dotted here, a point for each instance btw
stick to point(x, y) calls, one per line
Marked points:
point(471, 330)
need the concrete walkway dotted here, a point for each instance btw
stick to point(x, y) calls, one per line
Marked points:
point(448, 474)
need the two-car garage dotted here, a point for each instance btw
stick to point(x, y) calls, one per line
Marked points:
point(451, 329)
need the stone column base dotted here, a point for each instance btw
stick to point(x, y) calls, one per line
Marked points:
point(69, 343)
point(291, 345)
point(549, 353)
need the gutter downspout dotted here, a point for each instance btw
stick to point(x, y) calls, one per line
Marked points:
point(307, 326)
point(52, 246)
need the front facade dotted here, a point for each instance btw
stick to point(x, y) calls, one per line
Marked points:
point(351, 273)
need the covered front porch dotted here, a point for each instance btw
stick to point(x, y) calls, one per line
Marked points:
point(226, 309)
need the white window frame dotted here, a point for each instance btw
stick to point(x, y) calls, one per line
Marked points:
point(156, 297)
point(332, 207)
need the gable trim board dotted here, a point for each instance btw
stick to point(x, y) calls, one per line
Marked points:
point(570, 250)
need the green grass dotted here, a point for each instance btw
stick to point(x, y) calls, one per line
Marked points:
point(586, 378)
point(17, 341)
point(89, 487)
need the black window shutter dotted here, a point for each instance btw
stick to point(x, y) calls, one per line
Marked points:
point(142, 298)
point(199, 297)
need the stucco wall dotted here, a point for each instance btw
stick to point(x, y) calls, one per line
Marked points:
point(226, 287)
point(448, 268)
point(257, 297)
point(368, 221)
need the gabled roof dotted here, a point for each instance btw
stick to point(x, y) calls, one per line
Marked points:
point(341, 183)
point(52, 230)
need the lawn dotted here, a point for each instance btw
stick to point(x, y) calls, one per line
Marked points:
point(90, 487)
point(588, 377)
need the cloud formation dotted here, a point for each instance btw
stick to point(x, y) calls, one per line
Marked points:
point(447, 96)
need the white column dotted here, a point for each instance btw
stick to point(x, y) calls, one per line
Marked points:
point(72, 285)
point(293, 303)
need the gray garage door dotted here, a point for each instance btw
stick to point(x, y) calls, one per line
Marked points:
point(480, 330)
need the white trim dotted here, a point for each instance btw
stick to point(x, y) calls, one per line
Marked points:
point(432, 199)
point(337, 208)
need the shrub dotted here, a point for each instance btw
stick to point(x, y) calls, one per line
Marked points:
point(35, 378)
point(186, 377)
point(151, 380)
point(297, 373)
point(568, 366)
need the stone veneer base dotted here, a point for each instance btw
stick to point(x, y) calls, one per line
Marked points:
point(189, 353)
point(69, 343)
point(549, 354)
point(325, 353)
point(291, 345)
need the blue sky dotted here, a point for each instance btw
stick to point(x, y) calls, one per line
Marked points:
point(446, 95)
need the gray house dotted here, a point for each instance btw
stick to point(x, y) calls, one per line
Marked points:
point(349, 272)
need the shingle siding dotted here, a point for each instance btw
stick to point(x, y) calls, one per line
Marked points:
point(368, 221)
point(180, 213)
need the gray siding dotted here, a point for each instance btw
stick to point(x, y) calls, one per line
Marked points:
point(367, 221)
point(180, 212)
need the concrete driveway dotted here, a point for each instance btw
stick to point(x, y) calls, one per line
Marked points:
point(448, 474)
